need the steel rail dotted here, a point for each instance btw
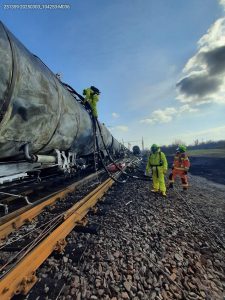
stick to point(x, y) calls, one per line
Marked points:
point(11, 263)
point(21, 237)
point(16, 219)
point(25, 189)
point(22, 277)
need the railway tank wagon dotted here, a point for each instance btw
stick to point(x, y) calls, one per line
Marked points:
point(41, 123)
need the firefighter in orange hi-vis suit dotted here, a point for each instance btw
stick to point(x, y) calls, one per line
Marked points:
point(181, 165)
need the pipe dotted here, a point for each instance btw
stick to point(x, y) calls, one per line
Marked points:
point(45, 159)
point(28, 157)
point(38, 158)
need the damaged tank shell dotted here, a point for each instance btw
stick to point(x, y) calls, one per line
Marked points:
point(36, 108)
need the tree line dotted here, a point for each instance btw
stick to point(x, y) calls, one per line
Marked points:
point(171, 149)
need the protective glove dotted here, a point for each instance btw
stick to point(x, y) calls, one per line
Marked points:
point(164, 172)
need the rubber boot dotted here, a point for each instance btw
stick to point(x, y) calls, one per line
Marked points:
point(154, 191)
point(170, 185)
point(164, 194)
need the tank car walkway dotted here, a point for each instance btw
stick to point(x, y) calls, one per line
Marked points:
point(147, 248)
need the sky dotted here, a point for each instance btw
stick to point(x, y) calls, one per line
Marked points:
point(159, 64)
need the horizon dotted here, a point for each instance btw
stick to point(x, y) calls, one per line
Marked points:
point(176, 143)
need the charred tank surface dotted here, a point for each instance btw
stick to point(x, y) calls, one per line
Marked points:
point(37, 110)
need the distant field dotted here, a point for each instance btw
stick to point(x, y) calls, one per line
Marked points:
point(207, 152)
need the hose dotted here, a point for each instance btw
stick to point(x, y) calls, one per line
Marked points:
point(112, 160)
point(100, 156)
point(28, 157)
point(72, 91)
point(95, 120)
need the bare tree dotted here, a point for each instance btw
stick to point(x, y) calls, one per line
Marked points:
point(178, 142)
point(196, 142)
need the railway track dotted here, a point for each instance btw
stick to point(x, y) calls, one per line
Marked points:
point(18, 194)
point(16, 219)
point(17, 272)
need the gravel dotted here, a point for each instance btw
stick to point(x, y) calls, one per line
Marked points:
point(147, 247)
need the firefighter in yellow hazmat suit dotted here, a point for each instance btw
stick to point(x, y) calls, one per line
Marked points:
point(91, 97)
point(157, 162)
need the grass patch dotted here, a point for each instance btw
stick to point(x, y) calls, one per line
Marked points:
point(207, 152)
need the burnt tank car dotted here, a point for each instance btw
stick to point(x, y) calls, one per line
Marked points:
point(41, 123)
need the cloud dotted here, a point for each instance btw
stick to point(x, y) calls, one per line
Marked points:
point(115, 115)
point(168, 114)
point(198, 87)
point(204, 73)
point(188, 136)
point(214, 133)
point(186, 108)
point(160, 116)
point(122, 128)
point(222, 2)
